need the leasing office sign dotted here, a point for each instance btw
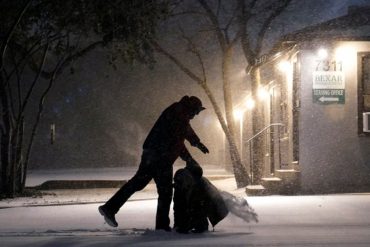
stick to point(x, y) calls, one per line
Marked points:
point(328, 86)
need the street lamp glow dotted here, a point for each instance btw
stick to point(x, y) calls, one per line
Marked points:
point(284, 66)
point(238, 114)
point(322, 53)
point(263, 94)
point(249, 103)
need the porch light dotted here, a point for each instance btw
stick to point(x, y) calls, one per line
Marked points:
point(322, 53)
point(284, 66)
point(343, 52)
point(263, 93)
point(249, 103)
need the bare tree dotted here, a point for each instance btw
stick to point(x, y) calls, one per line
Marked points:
point(39, 39)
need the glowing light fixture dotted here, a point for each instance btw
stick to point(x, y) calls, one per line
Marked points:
point(249, 103)
point(263, 93)
point(238, 114)
point(322, 53)
point(284, 66)
point(343, 52)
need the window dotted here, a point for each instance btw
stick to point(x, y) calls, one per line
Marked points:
point(363, 89)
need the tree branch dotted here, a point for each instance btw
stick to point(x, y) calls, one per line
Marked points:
point(4, 45)
point(193, 49)
point(9, 94)
point(245, 39)
point(18, 76)
point(275, 13)
point(81, 53)
point(36, 79)
point(179, 64)
point(26, 54)
point(187, 13)
point(213, 18)
point(236, 38)
point(233, 16)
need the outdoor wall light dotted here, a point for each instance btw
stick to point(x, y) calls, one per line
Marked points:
point(249, 103)
point(284, 66)
point(322, 53)
point(263, 94)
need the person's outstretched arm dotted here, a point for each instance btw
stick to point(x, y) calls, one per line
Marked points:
point(194, 140)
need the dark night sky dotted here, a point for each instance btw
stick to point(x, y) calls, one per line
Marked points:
point(102, 115)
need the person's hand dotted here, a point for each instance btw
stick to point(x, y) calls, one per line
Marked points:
point(203, 148)
point(194, 169)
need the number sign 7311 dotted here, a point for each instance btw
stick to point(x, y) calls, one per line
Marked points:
point(328, 65)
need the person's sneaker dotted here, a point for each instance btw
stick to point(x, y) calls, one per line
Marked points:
point(108, 216)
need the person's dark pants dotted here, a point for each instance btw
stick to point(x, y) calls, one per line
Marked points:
point(155, 166)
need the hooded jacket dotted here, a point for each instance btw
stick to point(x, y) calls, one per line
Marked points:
point(170, 131)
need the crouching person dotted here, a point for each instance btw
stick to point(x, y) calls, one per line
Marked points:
point(196, 201)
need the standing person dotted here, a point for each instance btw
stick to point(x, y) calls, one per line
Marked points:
point(163, 145)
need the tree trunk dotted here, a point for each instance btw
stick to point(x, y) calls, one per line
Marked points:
point(241, 174)
point(240, 171)
point(4, 164)
point(19, 161)
point(258, 143)
point(6, 140)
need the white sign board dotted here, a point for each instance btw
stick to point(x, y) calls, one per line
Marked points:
point(328, 87)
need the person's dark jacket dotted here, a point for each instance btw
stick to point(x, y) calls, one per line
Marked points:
point(170, 131)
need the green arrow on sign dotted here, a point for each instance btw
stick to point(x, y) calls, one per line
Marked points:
point(328, 99)
point(328, 96)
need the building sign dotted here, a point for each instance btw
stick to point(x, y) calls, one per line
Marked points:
point(328, 84)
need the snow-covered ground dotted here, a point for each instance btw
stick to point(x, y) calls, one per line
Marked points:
point(332, 220)
point(70, 218)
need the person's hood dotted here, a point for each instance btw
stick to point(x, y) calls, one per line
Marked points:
point(193, 104)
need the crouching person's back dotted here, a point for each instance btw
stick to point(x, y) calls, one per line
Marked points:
point(196, 201)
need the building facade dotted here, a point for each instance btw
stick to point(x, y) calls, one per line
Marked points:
point(317, 107)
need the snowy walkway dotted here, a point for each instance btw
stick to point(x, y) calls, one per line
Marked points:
point(330, 220)
point(70, 218)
